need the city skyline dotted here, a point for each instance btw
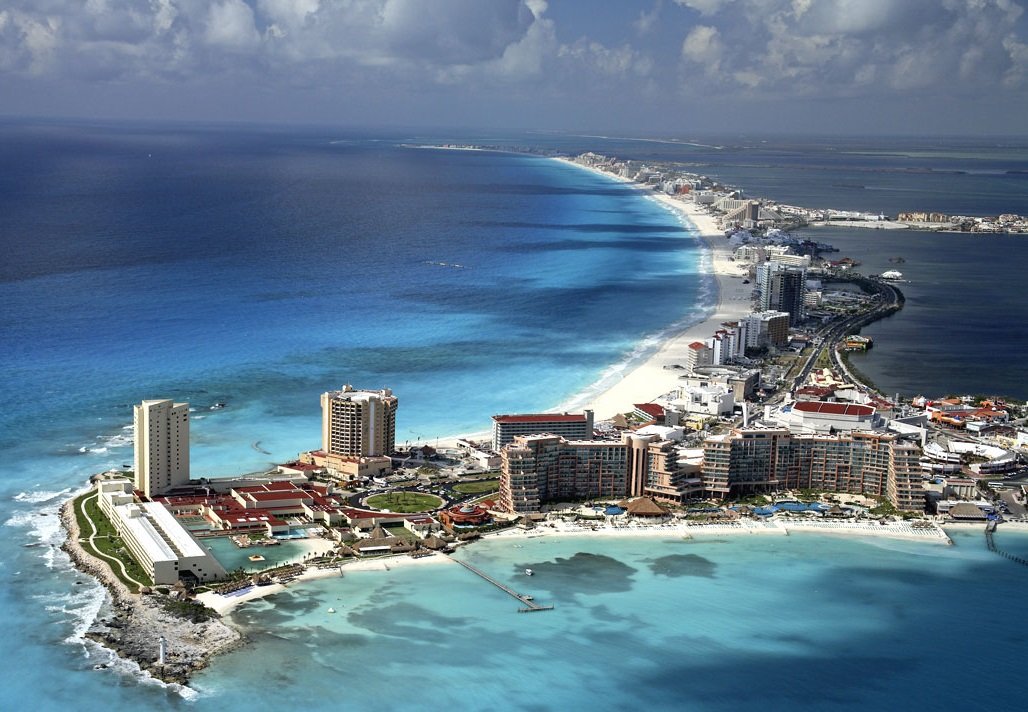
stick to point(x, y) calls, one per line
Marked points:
point(654, 67)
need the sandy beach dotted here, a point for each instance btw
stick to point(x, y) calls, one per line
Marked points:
point(649, 380)
point(646, 381)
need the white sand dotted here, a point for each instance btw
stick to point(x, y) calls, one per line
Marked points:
point(780, 527)
point(226, 604)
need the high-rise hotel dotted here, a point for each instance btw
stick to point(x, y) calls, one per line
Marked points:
point(161, 445)
point(356, 423)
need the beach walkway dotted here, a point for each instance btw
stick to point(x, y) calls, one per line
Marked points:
point(529, 605)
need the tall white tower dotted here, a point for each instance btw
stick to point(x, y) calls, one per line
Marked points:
point(161, 445)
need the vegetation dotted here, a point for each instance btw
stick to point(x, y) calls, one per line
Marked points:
point(884, 508)
point(400, 531)
point(404, 501)
point(477, 487)
point(188, 610)
point(107, 543)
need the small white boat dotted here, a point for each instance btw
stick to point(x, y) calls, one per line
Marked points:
point(331, 610)
point(529, 572)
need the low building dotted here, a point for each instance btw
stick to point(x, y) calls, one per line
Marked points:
point(165, 549)
point(827, 417)
point(713, 400)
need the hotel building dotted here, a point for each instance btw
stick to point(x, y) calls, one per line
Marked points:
point(161, 445)
point(157, 541)
point(573, 426)
point(545, 468)
point(358, 423)
point(781, 289)
point(749, 461)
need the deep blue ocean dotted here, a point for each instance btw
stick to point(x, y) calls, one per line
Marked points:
point(259, 267)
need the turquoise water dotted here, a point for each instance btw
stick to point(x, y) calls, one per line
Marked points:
point(232, 557)
point(262, 268)
point(798, 622)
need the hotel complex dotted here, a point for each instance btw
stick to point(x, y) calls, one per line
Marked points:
point(157, 541)
point(543, 468)
point(540, 469)
point(358, 432)
point(161, 445)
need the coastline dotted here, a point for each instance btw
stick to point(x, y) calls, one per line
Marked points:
point(650, 379)
point(130, 624)
point(902, 531)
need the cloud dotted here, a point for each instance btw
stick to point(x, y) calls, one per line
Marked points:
point(852, 47)
point(230, 24)
point(648, 19)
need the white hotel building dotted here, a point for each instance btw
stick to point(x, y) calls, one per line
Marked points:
point(157, 541)
point(161, 445)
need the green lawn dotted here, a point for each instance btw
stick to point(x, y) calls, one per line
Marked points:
point(398, 530)
point(405, 502)
point(478, 487)
point(107, 541)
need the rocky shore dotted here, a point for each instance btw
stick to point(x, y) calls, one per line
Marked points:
point(131, 624)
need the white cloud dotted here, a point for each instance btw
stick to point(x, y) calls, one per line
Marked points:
point(849, 47)
point(230, 24)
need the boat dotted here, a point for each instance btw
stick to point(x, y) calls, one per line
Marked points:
point(217, 406)
point(892, 275)
point(331, 610)
point(256, 557)
point(529, 572)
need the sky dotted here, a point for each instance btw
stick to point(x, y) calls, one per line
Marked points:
point(644, 67)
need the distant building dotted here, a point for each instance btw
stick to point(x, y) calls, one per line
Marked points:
point(161, 445)
point(767, 328)
point(713, 399)
point(782, 289)
point(358, 432)
point(698, 354)
point(816, 416)
point(573, 426)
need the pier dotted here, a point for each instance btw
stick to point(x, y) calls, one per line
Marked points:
point(528, 605)
point(990, 529)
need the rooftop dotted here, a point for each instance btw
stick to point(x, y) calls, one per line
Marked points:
point(541, 418)
point(833, 408)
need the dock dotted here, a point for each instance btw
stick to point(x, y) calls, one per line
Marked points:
point(990, 529)
point(528, 604)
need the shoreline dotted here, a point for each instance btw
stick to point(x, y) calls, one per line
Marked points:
point(129, 624)
point(649, 378)
point(900, 531)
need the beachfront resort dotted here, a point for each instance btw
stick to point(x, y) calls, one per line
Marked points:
point(753, 421)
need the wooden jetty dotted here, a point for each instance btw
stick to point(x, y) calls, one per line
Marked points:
point(529, 604)
point(990, 529)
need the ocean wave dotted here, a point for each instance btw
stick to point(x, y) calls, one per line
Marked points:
point(643, 349)
point(40, 496)
point(106, 660)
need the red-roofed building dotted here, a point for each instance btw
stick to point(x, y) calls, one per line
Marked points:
point(825, 416)
point(650, 412)
point(573, 426)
